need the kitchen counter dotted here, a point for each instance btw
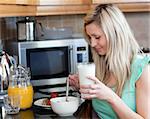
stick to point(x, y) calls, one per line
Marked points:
point(33, 113)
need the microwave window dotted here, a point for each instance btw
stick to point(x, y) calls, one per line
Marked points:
point(48, 62)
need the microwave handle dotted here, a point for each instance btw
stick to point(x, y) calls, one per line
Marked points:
point(70, 58)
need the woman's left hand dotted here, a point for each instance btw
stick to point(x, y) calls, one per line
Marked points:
point(97, 90)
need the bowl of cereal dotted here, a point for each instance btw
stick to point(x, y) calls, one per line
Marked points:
point(64, 107)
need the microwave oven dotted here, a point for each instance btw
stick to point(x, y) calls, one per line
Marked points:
point(50, 62)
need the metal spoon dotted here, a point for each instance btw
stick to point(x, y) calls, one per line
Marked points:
point(67, 89)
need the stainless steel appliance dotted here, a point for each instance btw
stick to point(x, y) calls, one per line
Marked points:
point(25, 29)
point(51, 61)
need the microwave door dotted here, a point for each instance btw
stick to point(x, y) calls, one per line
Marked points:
point(48, 63)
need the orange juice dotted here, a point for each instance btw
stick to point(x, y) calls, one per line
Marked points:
point(26, 95)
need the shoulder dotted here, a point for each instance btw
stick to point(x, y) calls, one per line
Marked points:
point(144, 78)
point(140, 66)
point(140, 60)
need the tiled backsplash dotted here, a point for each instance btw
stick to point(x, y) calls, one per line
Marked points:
point(139, 22)
point(73, 21)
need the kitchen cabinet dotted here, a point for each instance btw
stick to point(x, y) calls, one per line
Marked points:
point(62, 7)
point(18, 2)
point(45, 2)
point(127, 5)
point(17, 10)
point(61, 10)
point(43, 7)
point(64, 2)
point(119, 1)
point(56, 7)
point(135, 7)
point(8, 2)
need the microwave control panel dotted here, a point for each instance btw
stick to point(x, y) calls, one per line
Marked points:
point(80, 52)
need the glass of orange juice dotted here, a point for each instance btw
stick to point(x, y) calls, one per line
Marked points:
point(26, 95)
point(19, 84)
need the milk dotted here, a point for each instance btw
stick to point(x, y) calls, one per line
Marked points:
point(84, 70)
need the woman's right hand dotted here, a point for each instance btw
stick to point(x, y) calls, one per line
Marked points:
point(74, 81)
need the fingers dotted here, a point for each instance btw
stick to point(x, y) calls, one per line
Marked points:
point(73, 77)
point(74, 81)
point(94, 86)
point(87, 96)
point(88, 93)
point(93, 78)
point(89, 89)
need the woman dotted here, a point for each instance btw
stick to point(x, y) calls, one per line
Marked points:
point(122, 71)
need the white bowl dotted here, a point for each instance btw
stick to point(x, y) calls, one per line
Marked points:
point(64, 108)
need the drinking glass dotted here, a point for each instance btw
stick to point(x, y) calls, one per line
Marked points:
point(84, 70)
point(11, 104)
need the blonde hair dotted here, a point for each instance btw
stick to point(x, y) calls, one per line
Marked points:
point(122, 44)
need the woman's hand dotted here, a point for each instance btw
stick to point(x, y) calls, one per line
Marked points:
point(97, 90)
point(74, 81)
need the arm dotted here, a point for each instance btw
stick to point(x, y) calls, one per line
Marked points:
point(143, 94)
point(142, 100)
point(100, 91)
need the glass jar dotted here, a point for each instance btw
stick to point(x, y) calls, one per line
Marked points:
point(19, 84)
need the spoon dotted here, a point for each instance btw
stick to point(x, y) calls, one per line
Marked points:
point(67, 89)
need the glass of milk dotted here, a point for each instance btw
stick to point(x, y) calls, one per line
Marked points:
point(84, 70)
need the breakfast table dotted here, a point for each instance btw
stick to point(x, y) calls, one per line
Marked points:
point(32, 113)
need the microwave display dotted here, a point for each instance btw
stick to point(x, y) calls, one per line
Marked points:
point(48, 62)
point(81, 48)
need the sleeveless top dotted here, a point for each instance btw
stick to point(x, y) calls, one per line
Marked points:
point(104, 109)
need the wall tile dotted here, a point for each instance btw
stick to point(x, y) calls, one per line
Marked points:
point(139, 23)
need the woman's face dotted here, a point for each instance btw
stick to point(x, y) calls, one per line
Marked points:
point(97, 38)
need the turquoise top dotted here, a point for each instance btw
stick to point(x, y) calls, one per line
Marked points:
point(104, 109)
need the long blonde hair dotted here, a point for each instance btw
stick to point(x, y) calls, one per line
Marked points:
point(122, 44)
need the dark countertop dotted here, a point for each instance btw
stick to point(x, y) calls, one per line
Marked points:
point(33, 113)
